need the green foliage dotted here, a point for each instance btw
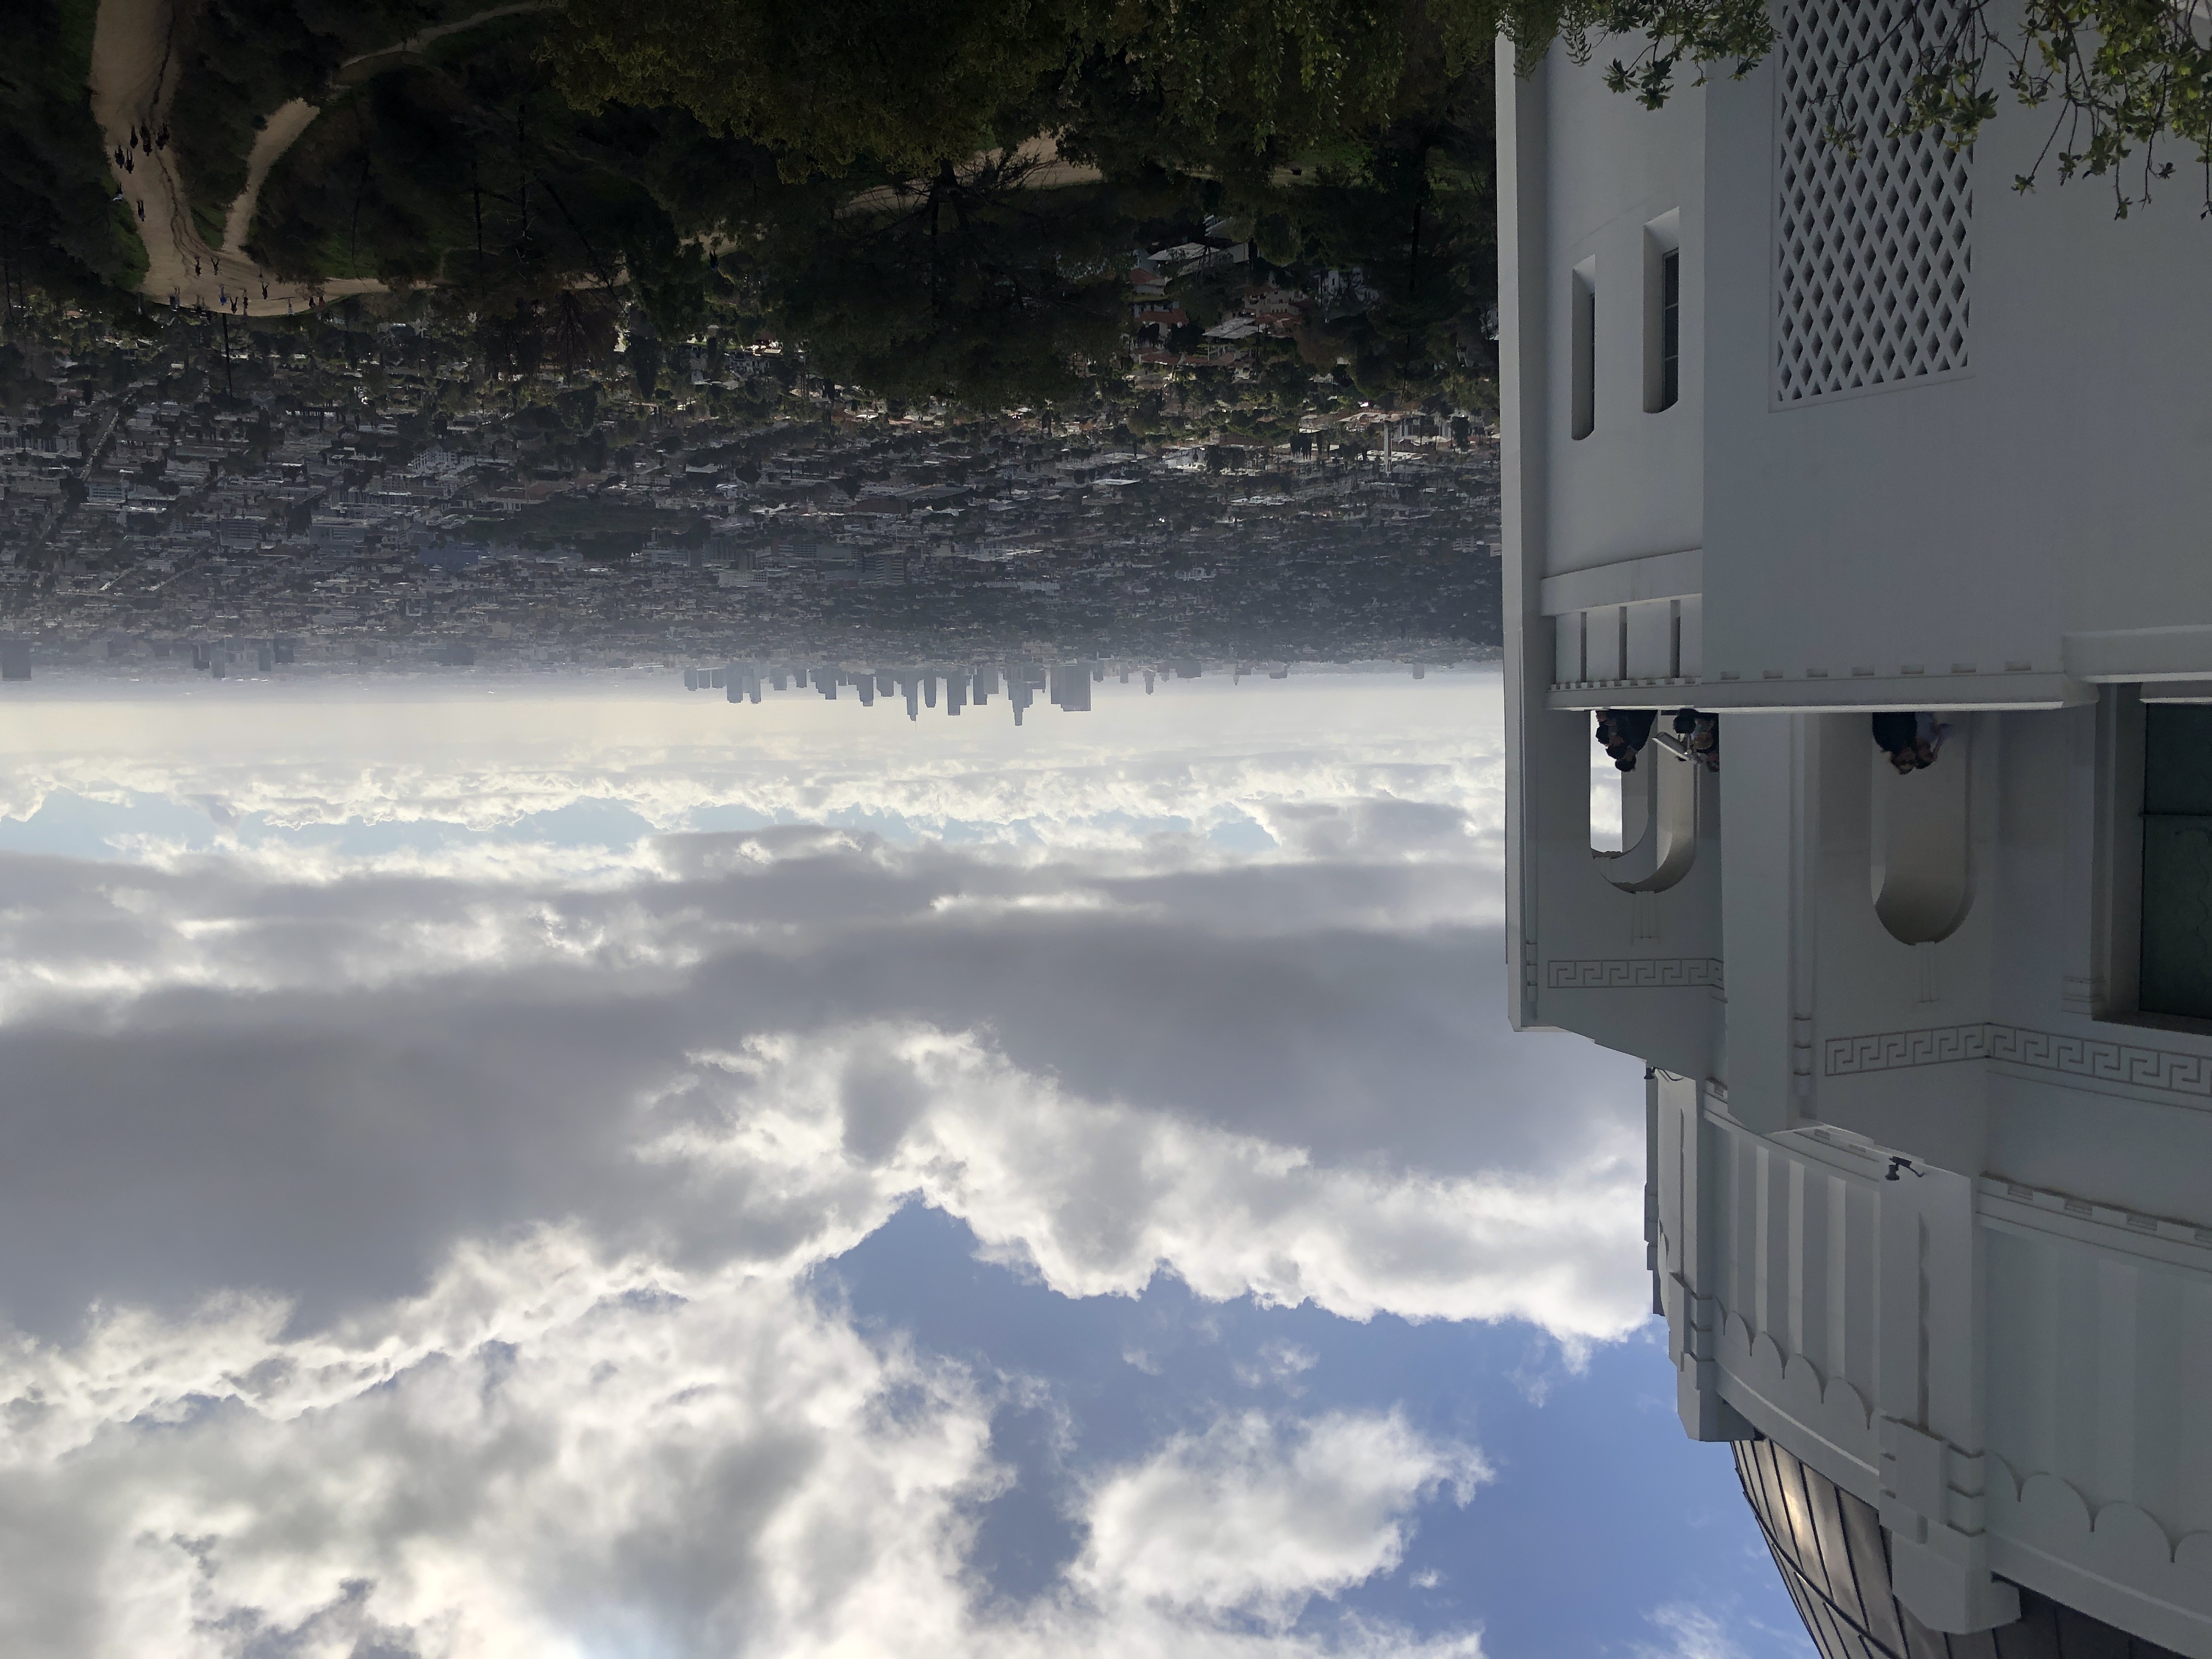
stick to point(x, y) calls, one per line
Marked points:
point(1732, 35)
point(241, 60)
point(2121, 78)
point(970, 288)
point(59, 228)
point(822, 85)
point(1211, 83)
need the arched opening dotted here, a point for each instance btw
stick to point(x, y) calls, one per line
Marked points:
point(1920, 859)
point(1644, 823)
point(1605, 796)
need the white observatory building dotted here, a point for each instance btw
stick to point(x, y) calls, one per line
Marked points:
point(1795, 436)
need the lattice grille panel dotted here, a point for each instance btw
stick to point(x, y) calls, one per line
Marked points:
point(1872, 251)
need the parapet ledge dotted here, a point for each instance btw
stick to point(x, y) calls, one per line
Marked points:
point(1789, 1389)
point(2165, 1582)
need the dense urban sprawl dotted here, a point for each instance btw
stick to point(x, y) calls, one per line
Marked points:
point(219, 498)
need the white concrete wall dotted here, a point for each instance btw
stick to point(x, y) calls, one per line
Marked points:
point(2061, 484)
point(2010, 1351)
point(1632, 487)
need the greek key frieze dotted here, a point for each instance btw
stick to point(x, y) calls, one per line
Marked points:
point(2099, 1059)
point(1633, 973)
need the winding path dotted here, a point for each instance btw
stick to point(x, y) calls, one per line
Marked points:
point(134, 77)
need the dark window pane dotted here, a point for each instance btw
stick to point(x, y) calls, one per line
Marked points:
point(1670, 329)
point(2177, 759)
point(2177, 912)
point(2081, 1637)
point(2034, 1634)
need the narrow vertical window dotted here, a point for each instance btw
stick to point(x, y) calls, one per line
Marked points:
point(1662, 311)
point(1584, 352)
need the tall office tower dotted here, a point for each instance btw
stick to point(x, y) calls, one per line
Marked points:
point(715, 677)
point(775, 679)
point(867, 685)
point(1070, 688)
point(1148, 682)
point(15, 659)
point(956, 691)
point(986, 681)
point(886, 686)
point(929, 688)
point(912, 687)
point(1900, 475)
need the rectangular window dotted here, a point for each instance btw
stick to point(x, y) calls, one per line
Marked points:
point(2177, 860)
point(1583, 353)
point(1662, 311)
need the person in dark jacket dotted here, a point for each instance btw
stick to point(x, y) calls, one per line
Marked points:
point(1624, 732)
point(1894, 734)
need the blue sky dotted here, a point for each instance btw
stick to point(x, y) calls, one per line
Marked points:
point(609, 1174)
point(1600, 1513)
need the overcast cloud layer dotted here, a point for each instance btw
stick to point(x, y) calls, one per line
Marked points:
point(412, 1245)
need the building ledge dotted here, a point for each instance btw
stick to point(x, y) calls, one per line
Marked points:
point(1846, 693)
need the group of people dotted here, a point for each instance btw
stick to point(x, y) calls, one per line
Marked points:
point(1910, 741)
point(1692, 735)
point(142, 139)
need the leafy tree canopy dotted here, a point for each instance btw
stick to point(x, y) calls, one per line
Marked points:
point(1227, 85)
point(2120, 81)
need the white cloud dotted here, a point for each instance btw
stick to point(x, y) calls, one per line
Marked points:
point(1095, 1197)
point(443, 1208)
point(1691, 1632)
point(1318, 758)
point(555, 1450)
point(548, 1451)
point(1253, 1518)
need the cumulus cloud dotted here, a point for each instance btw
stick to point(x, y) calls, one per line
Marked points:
point(1095, 1197)
point(407, 1247)
point(1254, 1518)
point(1333, 746)
point(1242, 1076)
point(560, 1451)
